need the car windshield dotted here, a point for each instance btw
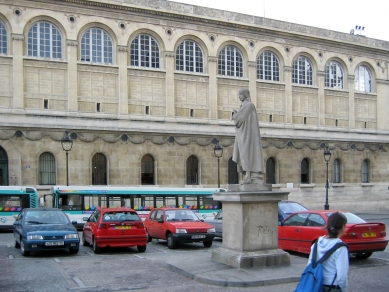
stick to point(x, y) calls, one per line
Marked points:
point(351, 218)
point(180, 215)
point(288, 208)
point(46, 217)
point(120, 216)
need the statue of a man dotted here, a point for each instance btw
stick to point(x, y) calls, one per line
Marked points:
point(248, 147)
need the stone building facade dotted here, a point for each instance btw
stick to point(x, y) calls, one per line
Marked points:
point(146, 88)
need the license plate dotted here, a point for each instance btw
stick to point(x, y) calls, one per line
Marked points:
point(51, 243)
point(368, 234)
point(123, 227)
point(198, 236)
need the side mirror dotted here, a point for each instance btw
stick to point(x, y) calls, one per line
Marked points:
point(16, 223)
point(85, 218)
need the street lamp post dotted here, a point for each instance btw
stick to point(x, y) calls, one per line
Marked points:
point(327, 157)
point(67, 144)
point(218, 149)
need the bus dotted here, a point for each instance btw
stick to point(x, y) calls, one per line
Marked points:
point(12, 200)
point(80, 201)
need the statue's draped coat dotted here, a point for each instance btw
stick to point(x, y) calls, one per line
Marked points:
point(247, 149)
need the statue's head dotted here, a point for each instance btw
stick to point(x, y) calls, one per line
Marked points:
point(244, 94)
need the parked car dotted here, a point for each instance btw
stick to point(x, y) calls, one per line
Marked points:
point(178, 226)
point(114, 227)
point(44, 229)
point(285, 208)
point(299, 231)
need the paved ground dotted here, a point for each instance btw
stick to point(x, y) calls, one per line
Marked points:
point(162, 269)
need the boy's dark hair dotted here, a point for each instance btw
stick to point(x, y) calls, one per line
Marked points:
point(335, 223)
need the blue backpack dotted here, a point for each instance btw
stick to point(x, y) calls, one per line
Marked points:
point(312, 278)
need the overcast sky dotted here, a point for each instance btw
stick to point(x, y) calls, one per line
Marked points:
point(338, 15)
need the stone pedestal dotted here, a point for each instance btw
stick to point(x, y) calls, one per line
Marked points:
point(250, 229)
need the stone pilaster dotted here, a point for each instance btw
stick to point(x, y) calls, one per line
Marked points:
point(213, 94)
point(288, 94)
point(122, 52)
point(170, 99)
point(322, 104)
point(252, 74)
point(18, 73)
point(72, 46)
point(351, 101)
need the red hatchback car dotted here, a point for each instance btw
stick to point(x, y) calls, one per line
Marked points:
point(178, 226)
point(114, 227)
point(300, 230)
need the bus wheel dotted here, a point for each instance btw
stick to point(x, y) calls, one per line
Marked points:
point(84, 242)
point(207, 243)
point(17, 244)
point(141, 248)
point(96, 249)
point(22, 250)
point(171, 244)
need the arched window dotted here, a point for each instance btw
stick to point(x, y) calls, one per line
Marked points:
point(365, 171)
point(334, 75)
point(305, 171)
point(271, 171)
point(46, 169)
point(3, 167)
point(362, 79)
point(302, 71)
point(230, 62)
point(189, 57)
point(147, 170)
point(96, 46)
point(268, 67)
point(3, 39)
point(145, 52)
point(336, 171)
point(192, 170)
point(45, 41)
point(99, 169)
point(233, 177)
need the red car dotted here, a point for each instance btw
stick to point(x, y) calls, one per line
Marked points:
point(178, 226)
point(114, 227)
point(300, 230)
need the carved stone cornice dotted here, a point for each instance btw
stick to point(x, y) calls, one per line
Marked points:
point(288, 68)
point(123, 49)
point(17, 37)
point(170, 54)
point(72, 43)
point(321, 73)
point(212, 59)
point(252, 64)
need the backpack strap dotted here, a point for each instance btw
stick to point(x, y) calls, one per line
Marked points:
point(331, 251)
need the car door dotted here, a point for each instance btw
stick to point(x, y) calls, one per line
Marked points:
point(18, 227)
point(289, 232)
point(313, 228)
point(151, 224)
point(88, 227)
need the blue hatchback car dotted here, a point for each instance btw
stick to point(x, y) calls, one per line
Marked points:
point(44, 229)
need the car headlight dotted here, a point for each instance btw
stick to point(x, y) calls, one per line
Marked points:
point(181, 230)
point(211, 230)
point(34, 237)
point(68, 236)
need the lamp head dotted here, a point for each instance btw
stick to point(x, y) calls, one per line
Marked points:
point(327, 154)
point(66, 142)
point(218, 150)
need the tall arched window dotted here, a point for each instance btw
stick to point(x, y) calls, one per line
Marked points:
point(189, 57)
point(147, 170)
point(3, 39)
point(336, 171)
point(192, 170)
point(233, 177)
point(365, 171)
point(271, 171)
point(99, 169)
point(96, 46)
point(145, 52)
point(44, 40)
point(268, 67)
point(46, 169)
point(305, 171)
point(230, 62)
point(3, 167)
point(302, 71)
point(334, 75)
point(362, 79)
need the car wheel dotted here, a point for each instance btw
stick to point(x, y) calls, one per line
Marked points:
point(363, 255)
point(17, 244)
point(149, 238)
point(171, 243)
point(73, 250)
point(141, 248)
point(96, 249)
point(22, 250)
point(84, 242)
point(208, 243)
